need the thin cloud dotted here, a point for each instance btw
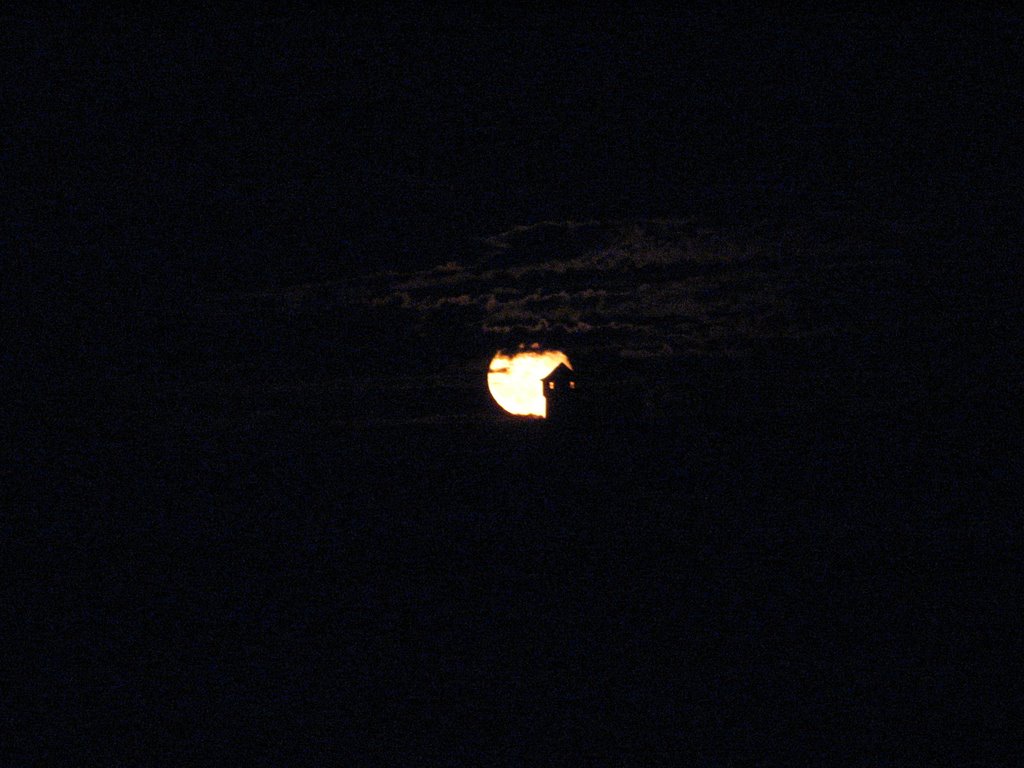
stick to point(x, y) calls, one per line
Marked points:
point(665, 281)
point(629, 289)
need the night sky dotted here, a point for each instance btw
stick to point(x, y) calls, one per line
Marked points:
point(256, 263)
point(159, 158)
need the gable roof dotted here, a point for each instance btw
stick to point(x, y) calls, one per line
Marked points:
point(560, 373)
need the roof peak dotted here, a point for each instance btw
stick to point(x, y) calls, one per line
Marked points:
point(560, 371)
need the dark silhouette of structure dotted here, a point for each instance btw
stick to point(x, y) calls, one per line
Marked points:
point(562, 394)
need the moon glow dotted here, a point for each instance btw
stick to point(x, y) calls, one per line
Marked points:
point(515, 379)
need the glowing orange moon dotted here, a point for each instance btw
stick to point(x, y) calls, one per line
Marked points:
point(514, 379)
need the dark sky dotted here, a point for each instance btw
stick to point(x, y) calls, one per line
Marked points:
point(240, 148)
point(160, 157)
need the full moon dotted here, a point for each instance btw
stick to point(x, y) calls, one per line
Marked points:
point(514, 379)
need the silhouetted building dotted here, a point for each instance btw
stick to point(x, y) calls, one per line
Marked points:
point(562, 394)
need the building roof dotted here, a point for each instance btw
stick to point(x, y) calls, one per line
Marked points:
point(561, 373)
